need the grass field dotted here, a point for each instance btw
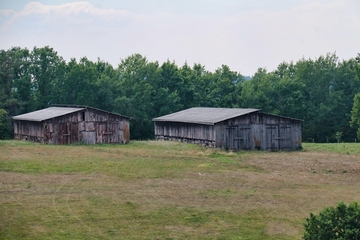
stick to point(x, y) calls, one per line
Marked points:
point(169, 190)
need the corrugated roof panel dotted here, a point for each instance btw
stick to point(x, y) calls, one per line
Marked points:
point(46, 113)
point(208, 116)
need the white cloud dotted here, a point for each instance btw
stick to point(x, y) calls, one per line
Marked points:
point(72, 11)
point(244, 41)
point(6, 13)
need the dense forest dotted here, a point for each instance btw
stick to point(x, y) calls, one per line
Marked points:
point(319, 91)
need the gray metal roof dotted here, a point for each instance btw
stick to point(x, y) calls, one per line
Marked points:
point(204, 115)
point(47, 113)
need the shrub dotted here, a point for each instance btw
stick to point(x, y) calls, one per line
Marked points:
point(5, 125)
point(340, 222)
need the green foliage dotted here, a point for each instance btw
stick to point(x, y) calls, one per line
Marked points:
point(5, 125)
point(319, 91)
point(45, 70)
point(355, 114)
point(338, 136)
point(340, 222)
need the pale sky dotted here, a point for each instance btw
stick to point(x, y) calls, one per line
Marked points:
point(243, 34)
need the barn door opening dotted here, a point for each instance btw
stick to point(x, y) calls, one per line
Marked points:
point(229, 138)
point(113, 132)
point(107, 132)
point(278, 137)
point(67, 133)
point(62, 133)
point(73, 131)
point(101, 133)
point(238, 137)
point(272, 137)
point(242, 140)
point(285, 142)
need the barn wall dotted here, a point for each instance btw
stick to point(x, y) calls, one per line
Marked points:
point(259, 131)
point(186, 132)
point(88, 126)
point(226, 129)
point(25, 130)
point(261, 136)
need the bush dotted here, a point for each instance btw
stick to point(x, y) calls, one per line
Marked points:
point(340, 222)
point(5, 125)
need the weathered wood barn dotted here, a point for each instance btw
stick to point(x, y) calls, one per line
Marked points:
point(230, 129)
point(62, 124)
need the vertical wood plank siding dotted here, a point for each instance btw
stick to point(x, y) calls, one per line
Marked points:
point(28, 130)
point(252, 131)
point(259, 131)
point(88, 126)
point(186, 132)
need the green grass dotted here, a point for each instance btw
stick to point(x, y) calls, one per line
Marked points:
point(342, 148)
point(168, 190)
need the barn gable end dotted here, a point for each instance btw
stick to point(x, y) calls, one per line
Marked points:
point(231, 129)
point(72, 124)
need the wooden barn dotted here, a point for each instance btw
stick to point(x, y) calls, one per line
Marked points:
point(230, 129)
point(62, 124)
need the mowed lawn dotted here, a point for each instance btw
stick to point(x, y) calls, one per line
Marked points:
point(169, 190)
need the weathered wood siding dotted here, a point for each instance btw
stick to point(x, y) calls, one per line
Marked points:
point(266, 137)
point(187, 132)
point(32, 131)
point(259, 131)
point(88, 126)
point(252, 131)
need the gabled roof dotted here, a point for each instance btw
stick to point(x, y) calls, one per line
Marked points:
point(53, 112)
point(205, 115)
point(47, 113)
point(83, 106)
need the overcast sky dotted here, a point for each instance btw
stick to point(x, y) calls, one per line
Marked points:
point(243, 34)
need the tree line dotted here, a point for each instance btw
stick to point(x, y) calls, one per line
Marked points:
point(321, 91)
